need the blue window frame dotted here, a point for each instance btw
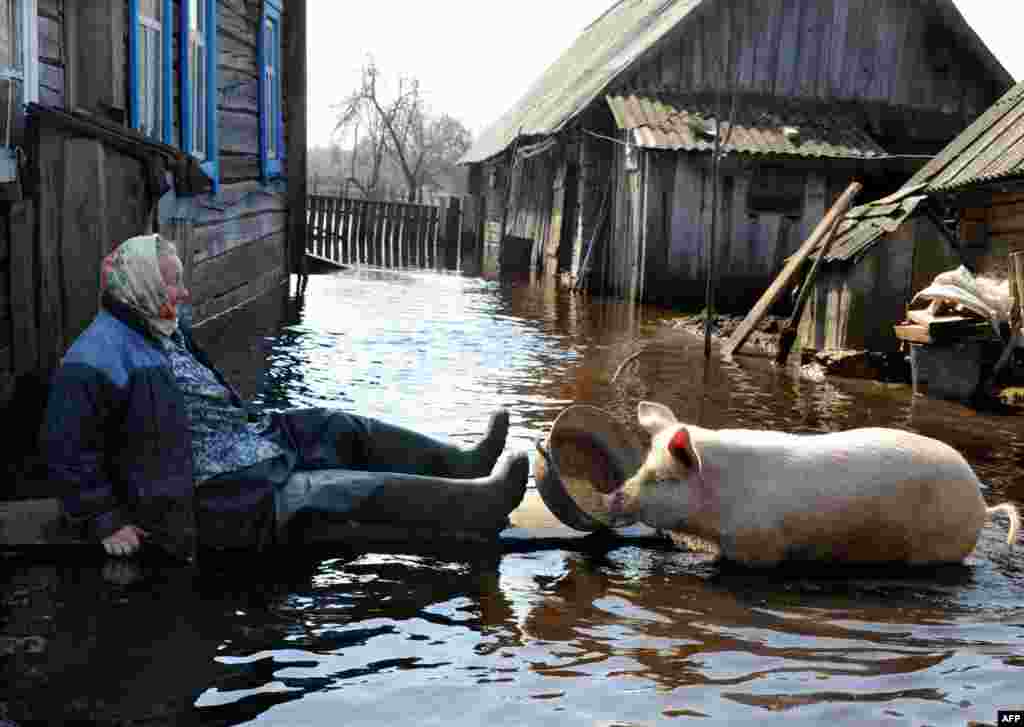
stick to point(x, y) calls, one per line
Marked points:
point(151, 59)
point(149, 54)
point(271, 121)
point(198, 64)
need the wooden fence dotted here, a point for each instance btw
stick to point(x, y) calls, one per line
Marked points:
point(347, 231)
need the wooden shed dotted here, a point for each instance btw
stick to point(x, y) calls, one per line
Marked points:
point(184, 117)
point(966, 206)
point(605, 162)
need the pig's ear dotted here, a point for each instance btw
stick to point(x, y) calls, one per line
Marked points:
point(680, 446)
point(654, 417)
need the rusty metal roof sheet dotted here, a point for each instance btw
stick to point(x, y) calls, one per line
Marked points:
point(764, 125)
point(604, 49)
point(990, 149)
point(865, 224)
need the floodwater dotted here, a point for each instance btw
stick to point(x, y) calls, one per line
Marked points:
point(592, 633)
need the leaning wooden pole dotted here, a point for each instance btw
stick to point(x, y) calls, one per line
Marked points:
point(772, 294)
point(788, 336)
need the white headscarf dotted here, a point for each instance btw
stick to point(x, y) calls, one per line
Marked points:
point(131, 275)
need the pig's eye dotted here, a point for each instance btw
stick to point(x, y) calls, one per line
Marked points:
point(678, 447)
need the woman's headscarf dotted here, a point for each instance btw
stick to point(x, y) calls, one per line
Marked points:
point(131, 275)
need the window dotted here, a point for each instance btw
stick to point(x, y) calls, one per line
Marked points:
point(271, 125)
point(151, 57)
point(777, 190)
point(199, 83)
point(19, 63)
point(149, 49)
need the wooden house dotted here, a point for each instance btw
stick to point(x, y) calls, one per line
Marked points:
point(603, 166)
point(125, 117)
point(966, 206)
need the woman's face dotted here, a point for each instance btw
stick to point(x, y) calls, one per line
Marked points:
point(170, 270)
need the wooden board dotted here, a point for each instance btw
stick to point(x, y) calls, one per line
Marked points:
point(231, 270)
point(50, 158)
point(780, 283)
point(240, 296)
point(23, 294)
point(85, 232)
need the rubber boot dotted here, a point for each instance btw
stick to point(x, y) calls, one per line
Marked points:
point(394, 449)
point(404, 500)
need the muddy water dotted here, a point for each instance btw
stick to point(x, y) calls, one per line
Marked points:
point(589, 634)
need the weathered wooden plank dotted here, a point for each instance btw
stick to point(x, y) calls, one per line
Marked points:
point(747, 36)
point(5, 306)
point(769, 28)
point(787, 81)
point(408, 254)
point(378, 235)
point(101, 50)
point(335, 230)
point(239, 131)
point(51, 9)
point(396, 231)
point(695, 41)
point(737, 254)
point(237, 54)
point(240, 296)
point(247, 198)
point(685, 250)
point(23, 294)
point(841, 51)
point(771, 295)
point(85, 231)
point(660, 187)
point(128, 202)
point(51, 44)
point(239, 167)
point(218, 275)
point(239, 94)
point(816, 16)
point(211, 241)
point(50, 160)
point(5, 246)
point(344, 215)
point(815, 202)
point(51, 85)
point(383, 231)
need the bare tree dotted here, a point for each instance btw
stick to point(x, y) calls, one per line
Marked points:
point(361, 111)
point(422, 147)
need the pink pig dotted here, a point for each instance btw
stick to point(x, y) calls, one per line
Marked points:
point(859, 496)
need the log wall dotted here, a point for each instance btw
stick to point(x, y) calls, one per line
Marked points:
point(885, 54)
point(83, 194)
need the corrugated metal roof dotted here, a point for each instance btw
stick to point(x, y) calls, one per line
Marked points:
point(991, 148)
point(671, 121)
point(865, 224)
point(608, 46)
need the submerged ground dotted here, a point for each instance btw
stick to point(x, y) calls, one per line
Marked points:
point(593, 633)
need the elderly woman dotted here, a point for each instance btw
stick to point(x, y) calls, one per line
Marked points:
point(152, 443)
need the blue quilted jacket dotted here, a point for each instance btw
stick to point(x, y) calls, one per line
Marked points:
point(116, 437)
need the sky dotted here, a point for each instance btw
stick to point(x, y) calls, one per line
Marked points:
point(475, 58)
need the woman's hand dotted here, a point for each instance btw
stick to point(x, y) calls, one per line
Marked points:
point(125, 541)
